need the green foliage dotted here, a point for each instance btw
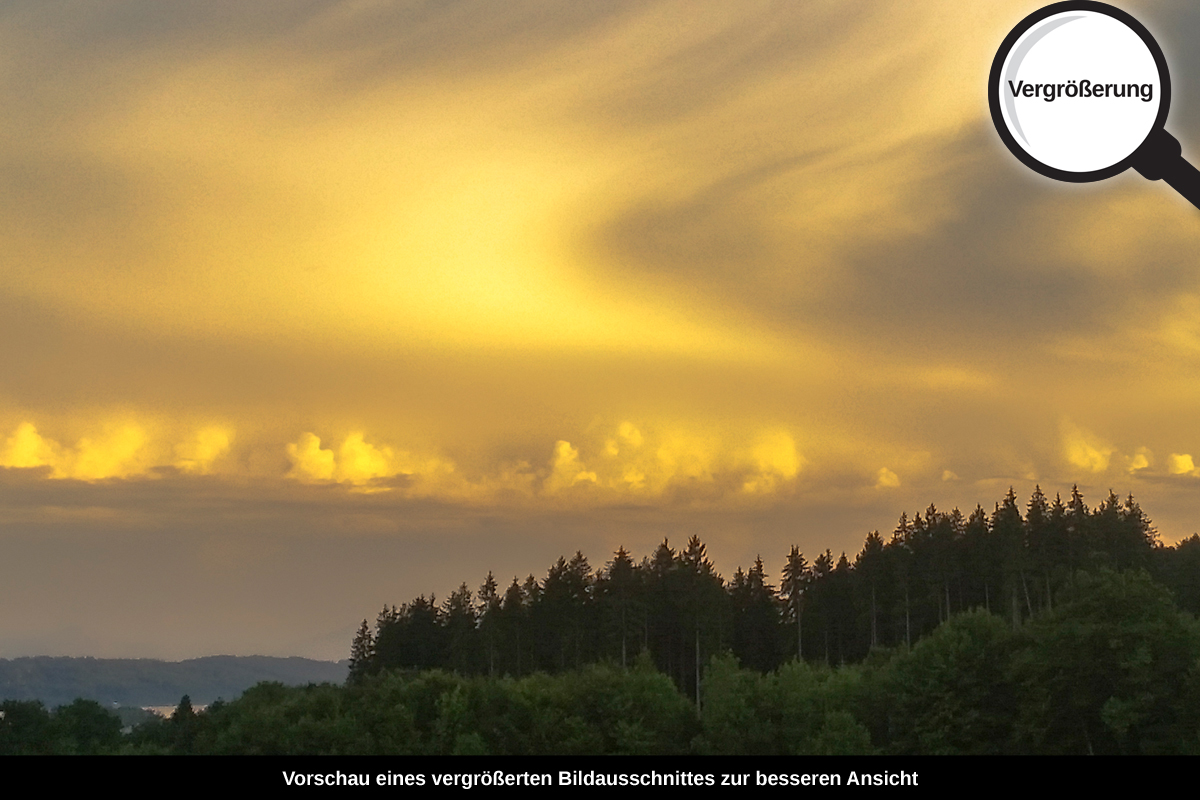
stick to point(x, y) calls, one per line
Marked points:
point(599, 709)
point(83, 727)
point(842, 735)
point(950, 694)
point(86, 727)
point(738, 717)
point(603, 709)
point(25, 728)
point(800, 710)
point(1111, 670)
point(273, 719)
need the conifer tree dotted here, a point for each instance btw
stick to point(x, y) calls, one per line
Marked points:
point(796, 577)
point(488, 615)
point(1078, 525)
point(867, 566)
point(615, 593)
point(459, 620)
point(1038, 538)
point(899, 557)
point(1008, 534)
point(756, 619)
point(362, 654)
point(512, 622)
point(701, 599)
point(976, 546)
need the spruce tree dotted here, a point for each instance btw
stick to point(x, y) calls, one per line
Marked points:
point(362, 654)
point(796, 577)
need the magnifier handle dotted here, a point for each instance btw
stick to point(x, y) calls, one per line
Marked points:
point(1161, 158)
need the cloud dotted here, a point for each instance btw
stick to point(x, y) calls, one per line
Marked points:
point(369, 467)
point(198, 454)
point(629, 463)
point(630, 435)
point(119, 451)
point(1142, 459)
point(359, 461)
point(886, 479)
point(356, 461)
point(1083, 450)
point(27, 449)
point(1181, 464)
point(684, 456)
point(566, 470)
point(310, 462)
point(775, 460)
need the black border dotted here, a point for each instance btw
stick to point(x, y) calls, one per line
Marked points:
point(940, 775)
point(998, 64)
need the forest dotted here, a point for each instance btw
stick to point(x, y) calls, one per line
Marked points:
point(674, 606)
point(1052, 628)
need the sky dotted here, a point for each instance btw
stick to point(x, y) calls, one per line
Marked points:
point(312, 306)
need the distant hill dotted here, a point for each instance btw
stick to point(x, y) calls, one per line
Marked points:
point(146, 682)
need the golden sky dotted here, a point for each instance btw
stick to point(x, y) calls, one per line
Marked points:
point(326, 304)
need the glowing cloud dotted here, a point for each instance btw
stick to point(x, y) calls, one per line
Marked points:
point(1083, 450)
point(197, 455)
point(359, 461)
point(683, 456)
point(630, 435)
point(566, 469)
point(309, 461)
point(775, 460)
point(1181, 464)
point(26, 448)
point(1142, 459)
point(120, 452)
point(886, 479)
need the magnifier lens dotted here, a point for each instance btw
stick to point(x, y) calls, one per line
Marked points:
point(1079, 91)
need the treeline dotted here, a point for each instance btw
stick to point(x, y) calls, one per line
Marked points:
point(1112, 668)
point(675, 607)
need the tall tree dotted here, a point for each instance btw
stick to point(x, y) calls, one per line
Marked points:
point(1008, 535)
point(362, 654)
point(700, 599)
point(488, 614)
point(1039, 538)
point(458, 613)
point(616, 590)
point(796, 576)
point(898, 556)
point(978, 560)
point(511, 627)
point(868, 566)
point(1078, 529)
point(756, 619)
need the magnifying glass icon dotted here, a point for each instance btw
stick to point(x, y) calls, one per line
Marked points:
point(1079, 92)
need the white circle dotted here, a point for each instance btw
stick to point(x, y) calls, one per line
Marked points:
point(1111, 73)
